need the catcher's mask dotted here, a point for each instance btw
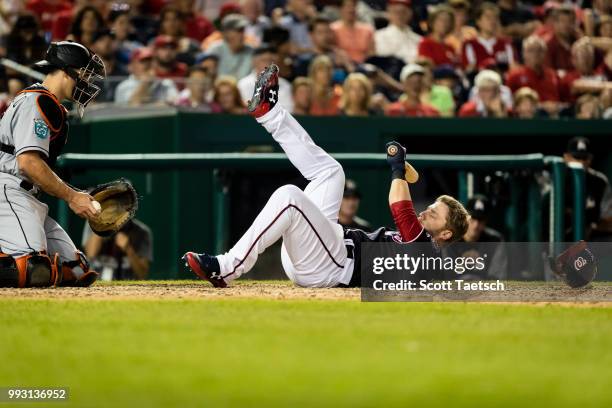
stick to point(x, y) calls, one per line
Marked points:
point(81, 64)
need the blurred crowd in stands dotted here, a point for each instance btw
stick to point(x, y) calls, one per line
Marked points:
point(337, 57)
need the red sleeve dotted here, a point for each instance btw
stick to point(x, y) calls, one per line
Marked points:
point(394, 109)
point(464, 58)
point(511, 80)
point(406, 220)
point(468, 110)
point(425, 49)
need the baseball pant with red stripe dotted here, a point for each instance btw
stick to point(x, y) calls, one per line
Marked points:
point(313, 252)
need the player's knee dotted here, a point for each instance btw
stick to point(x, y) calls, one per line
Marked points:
point(339, 173)
point(286, 193)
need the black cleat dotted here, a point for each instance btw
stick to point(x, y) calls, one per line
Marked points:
point(265, 95)
point(206, 267)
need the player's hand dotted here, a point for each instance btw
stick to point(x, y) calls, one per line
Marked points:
point(81, 204)
point(396, 156)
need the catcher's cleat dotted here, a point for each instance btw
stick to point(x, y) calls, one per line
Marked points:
point(84, 281)
point(265, 95)
point(87, 279)
point(206, 267)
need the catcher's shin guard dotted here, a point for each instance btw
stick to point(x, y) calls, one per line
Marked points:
point(9, 274)
point(32, 270)
point(69, 278)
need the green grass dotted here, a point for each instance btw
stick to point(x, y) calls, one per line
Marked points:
point(245, 352)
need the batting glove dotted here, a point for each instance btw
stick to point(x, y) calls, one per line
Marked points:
point(396, 157)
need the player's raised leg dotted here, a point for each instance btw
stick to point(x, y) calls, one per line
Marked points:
point(316, 165)
point(314, 254)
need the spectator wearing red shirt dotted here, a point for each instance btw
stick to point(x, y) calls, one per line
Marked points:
point(536, 75)
point(433, 47)
point(487, 46)
point(356, 38)
point(488, 103)
point(559, 55)
point(62, 21)
point(164, 54)
point(46, 10)
point(197, 27)
point(409, 103)
point(583, 79)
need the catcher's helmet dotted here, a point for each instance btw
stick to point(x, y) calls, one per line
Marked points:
point(79, 63)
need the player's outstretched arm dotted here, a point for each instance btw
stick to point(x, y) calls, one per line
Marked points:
point(396, 157)
point(399, 191)
point(32, 165)
point(400, 201)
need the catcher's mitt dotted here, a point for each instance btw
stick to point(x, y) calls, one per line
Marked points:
point(576, 265)
point(118, 201)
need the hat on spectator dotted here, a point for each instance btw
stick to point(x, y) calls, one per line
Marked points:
point(409, 70)
point(487, 76)
point(263, 49)
point(579, 147)
point(141, 53)
point(228, 8)
point(164, 41)
point(478, 207)
point(26, 22)
point(203, 56)
point(351, 189)
point(236, 22)
point(445, 72)
point(407, 3)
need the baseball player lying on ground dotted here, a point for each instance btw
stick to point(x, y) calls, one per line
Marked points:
point(33, 131)
point(316, 250)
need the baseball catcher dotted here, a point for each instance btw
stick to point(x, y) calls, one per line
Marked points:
point(317, 251)
point(34, 249)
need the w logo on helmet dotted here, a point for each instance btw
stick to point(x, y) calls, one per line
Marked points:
point(579, 263)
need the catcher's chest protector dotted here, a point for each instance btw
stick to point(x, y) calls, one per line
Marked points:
point(56, 118)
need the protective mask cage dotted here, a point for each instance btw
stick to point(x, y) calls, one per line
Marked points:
point(85, 90)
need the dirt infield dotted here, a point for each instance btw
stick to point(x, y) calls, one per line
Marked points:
point(184, 290)
point(598, 294)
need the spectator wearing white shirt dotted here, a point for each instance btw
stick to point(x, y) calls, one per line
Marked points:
point(397, 39)
point(263, 56)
